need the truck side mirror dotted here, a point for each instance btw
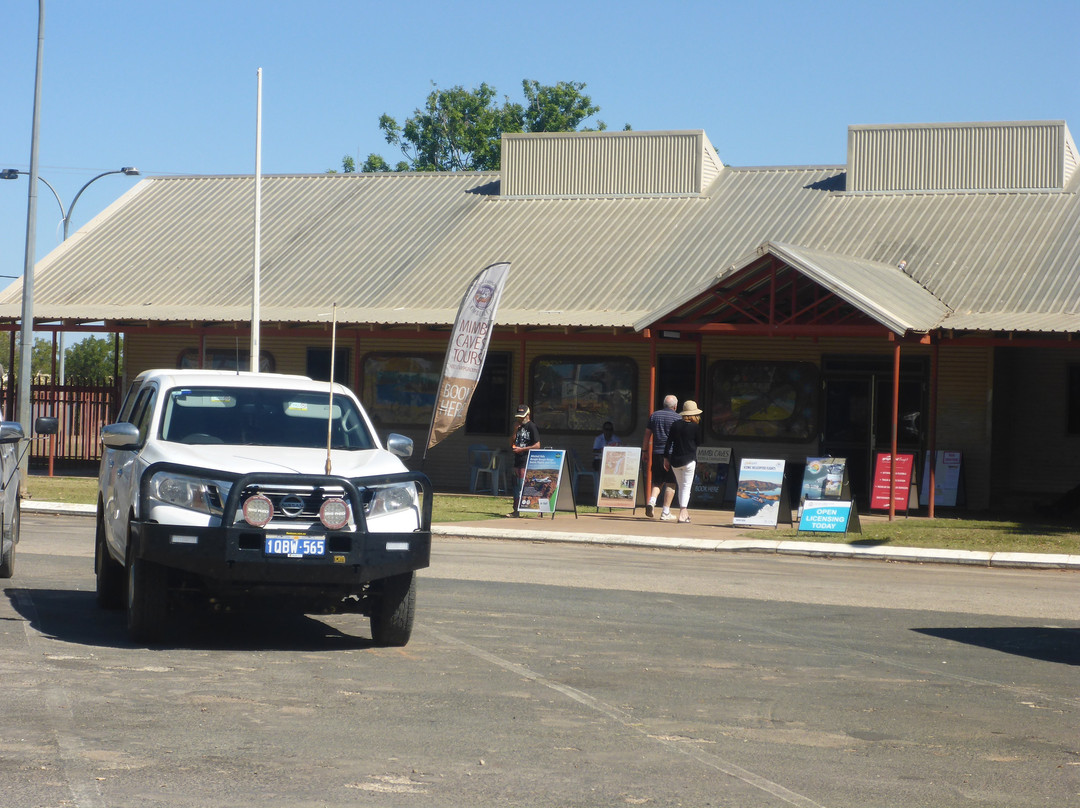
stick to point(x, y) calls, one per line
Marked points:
point(46, 425)
point(399, 445)
point(10, 432)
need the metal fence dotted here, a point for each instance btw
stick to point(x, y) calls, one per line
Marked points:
point(80, 409)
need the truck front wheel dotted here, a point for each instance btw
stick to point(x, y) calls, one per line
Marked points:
point(147, 598)
point(392, 609)
point(109, 573)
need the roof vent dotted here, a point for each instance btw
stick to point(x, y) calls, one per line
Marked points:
point(605, 164)
point(1010, 156)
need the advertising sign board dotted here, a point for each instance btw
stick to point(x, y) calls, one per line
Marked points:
point(902, 482)
point(710, 476)
point(619, 471)
point(760, 494)
point(543, 478)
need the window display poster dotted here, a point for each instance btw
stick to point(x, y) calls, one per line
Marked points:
point(619, 471)
point(710, 476)
point(905, 464)
point(759, 494)
point(946, 479)
point(543, 476)
point(824, 516)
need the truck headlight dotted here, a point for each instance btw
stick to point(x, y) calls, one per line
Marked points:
point(182, 491)
point(391, 499)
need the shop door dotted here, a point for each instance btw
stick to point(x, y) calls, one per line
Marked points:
point(675, 376)
point(857, 415)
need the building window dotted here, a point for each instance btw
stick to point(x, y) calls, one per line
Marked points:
point(579, 393)
point(763, 400)
point(224, 359)
point(399, 389)
point(489, 410)
point(318, 364)
point(1074, 399)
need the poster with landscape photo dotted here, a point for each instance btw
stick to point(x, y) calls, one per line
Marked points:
point(543, 476)
point(619, 471)
point(760, 493)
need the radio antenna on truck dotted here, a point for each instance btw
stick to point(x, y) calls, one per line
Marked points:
point(330, 407)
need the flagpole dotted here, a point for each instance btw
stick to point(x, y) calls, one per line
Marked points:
point(256, 314)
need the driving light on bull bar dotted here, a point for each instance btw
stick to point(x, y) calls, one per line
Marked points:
point(258, 510)
point(334, 514)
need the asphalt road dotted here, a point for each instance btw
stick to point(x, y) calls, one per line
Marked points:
point(556, 675)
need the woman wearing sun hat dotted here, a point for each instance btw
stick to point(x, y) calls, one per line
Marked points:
point(680, 455)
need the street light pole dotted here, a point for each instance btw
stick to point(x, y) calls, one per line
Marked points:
point(27, 326)
point(65, 215)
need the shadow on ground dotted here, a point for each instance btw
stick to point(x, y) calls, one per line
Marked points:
point(1035, 642)
point(74, 616)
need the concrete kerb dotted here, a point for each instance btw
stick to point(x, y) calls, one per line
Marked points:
point(918, 555)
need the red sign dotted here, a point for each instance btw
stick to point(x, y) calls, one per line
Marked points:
point(901, 484)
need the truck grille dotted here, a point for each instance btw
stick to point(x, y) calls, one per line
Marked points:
point(299, 504)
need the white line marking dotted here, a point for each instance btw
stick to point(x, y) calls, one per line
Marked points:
point(626, 720)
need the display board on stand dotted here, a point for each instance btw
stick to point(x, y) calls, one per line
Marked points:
point(825, 478)
point(829, 516)
point(620, 469)
point(825, 502)
point(948, 480)
point(760, 500)
point(542, 490)
point(903, 481)
point(710, 476)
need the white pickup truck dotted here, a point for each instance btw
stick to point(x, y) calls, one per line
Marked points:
point(256, 490)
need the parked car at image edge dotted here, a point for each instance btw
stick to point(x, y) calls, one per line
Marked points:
point(11, 436)
point(260, 491)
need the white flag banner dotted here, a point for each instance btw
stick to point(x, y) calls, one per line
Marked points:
point(467, 351)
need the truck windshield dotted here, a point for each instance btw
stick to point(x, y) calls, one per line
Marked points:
point(251, 416)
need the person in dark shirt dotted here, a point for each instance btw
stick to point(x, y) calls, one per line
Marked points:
point(657, 432)
point(526, 436)
point(605, 438)
point(680, 455)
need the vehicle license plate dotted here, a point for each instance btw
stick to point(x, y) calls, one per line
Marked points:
point(295, 546)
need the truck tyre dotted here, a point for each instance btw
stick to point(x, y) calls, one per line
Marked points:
point(147, 598)
point(392, 609)
point(110, 573)
point(7, 558)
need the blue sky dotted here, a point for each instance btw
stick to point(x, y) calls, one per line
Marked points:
point(169, 86)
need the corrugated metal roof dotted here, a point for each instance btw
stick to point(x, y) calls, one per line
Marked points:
point(884, 293)
point(568, 164)
point(401, 248)
point(1015, 155)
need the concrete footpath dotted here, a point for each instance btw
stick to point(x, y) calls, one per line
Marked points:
point(709, 531)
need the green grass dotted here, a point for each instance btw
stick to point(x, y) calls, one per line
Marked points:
point(988, 533)
point(71, 490)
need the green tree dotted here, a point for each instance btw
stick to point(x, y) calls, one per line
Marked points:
point(41, 357)
point(461, 130)
point(558, 108)
point(90, 360)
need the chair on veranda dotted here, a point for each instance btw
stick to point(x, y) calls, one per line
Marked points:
point(484, 461)
point(579, 470)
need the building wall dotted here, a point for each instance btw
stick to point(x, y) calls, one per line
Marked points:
point(966, 378)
